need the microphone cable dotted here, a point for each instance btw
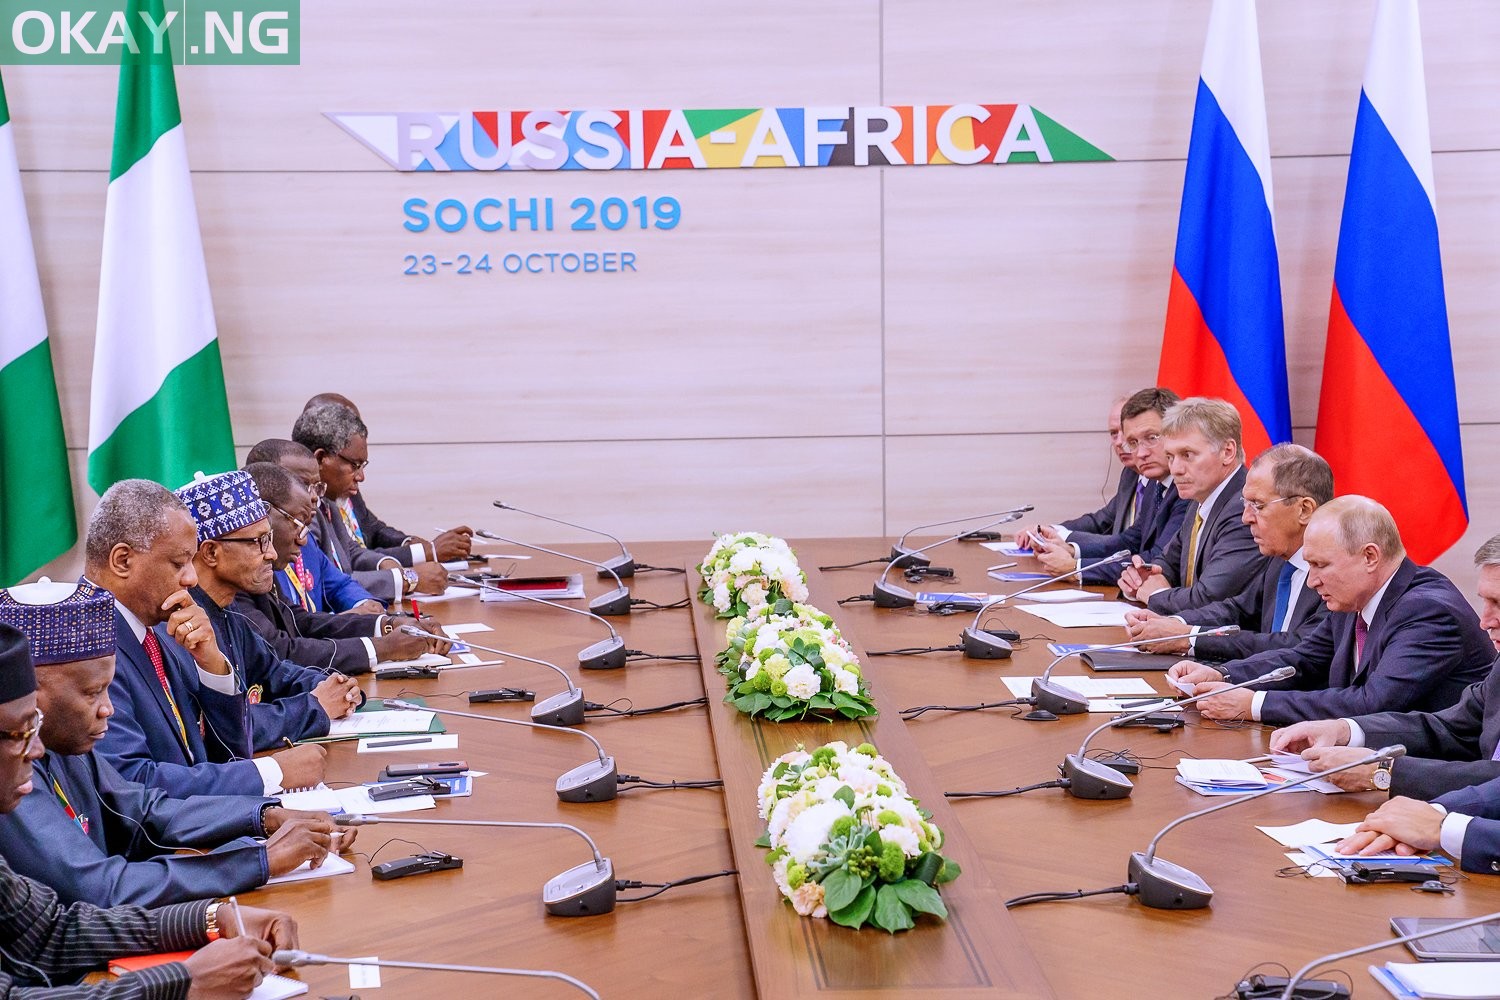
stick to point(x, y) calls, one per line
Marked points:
point(623, 884)
point(1127, 889)
point(639, 654)
point(645, 605)
point(917, 651)
point(855, 565)
point(1056, 783)
point(643, 568)
point(628, 781)
point(917, 711)
point(597, 710)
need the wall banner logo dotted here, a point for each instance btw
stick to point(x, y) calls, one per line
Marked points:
point(706, 138)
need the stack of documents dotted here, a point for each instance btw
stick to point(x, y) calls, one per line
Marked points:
point(1105, 694)
point(1440, 980)
point(1314, 840)
point(1212, 777)
point(1081, 614)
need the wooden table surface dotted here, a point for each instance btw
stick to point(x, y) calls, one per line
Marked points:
point(693, 941)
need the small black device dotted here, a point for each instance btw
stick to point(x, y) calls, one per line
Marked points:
point(1262, 987)
point(501, 694)
point(411, 786)
point(1119, 762)
point(406, 673)
point(417, 864)
point(1008, 634)
point(430, 769)
point(982, 536)
point(1373, 873)
point(1159, 721)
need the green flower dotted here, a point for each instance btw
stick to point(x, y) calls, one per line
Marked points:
point(778, 689)
point(795, 875)
point(892, 862)
point(868, 749)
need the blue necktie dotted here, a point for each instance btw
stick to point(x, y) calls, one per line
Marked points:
point(1283, 597)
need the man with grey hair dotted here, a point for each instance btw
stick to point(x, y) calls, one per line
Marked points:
point(182, 724)
point(1398, 636)
point(1445, 750)
point(1214, 556)
point(1284, 486)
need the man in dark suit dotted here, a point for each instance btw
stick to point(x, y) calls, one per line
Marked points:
point(46, 942)
point(1121, 509)
point(1445, 751)
point(348, 643)
point(1398, 636)
point(1283, 487)
point(182, 722)
point(1161, 508)
point(93, 836)
point(1213, 556)
point(1463, 824)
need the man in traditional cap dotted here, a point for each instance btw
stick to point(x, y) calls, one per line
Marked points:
point(349, 643)
point(93, 836)
point(45, 942)
point(182, 721)
point(288, 701)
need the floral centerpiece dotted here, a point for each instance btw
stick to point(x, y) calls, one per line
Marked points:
point(848, 843)
point(747, 569)
point(788, 661)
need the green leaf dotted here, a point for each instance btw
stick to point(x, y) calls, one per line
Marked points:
point(845, 794)
point(856, 913)
point(760, 702)
point(764, 840)
point(891, 912)
point(847, 701)
point(840, 889)
point(950, 871)
point(927, 867)
point(920, 897)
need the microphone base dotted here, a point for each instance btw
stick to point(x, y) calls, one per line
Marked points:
point(606, 654)
point(1089, 779)
point(612, 604)
point(897, 551)
point(596, 781)
point(1165, 886)
point(980, 645)
point(1058, 700)
point(584, 891)
point(622, 564)
point(888, 595)
point(563, 709)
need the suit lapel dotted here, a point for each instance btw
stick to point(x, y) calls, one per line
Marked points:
point(128, 646)
point(1400, 583)
point(1341, 671)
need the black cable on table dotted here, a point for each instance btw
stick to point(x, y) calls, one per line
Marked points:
point(1127, 889)
point(661, 887)
point(1058, 783)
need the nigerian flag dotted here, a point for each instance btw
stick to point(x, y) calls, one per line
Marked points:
point(36, 490)
point(158, 409)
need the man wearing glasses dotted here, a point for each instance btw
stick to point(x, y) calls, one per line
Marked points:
point(1283, 488)
point(288, 701)
point(1161, 509)
point(45, 942)
point(347, 643)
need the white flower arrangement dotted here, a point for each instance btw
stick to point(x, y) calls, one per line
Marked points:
point(848, 843)
point(746, 569)
point(789, 661)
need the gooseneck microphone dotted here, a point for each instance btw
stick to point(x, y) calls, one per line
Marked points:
point(1164, 885)
point(617, 566)
point(888, 595)
point(1060, 700)
point(565, 708)
point(615, 602)
point(296, 959)
point(1092, 779)
point(899, 549)
point(596, 781)
point(980, 645)
point(1291, 987)
point(583, 891)
point(606, 654)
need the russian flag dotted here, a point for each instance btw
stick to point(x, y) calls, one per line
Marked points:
point(1388, 414)
point(1224, 334)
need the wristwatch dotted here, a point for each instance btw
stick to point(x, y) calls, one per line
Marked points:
point(410, 577)
point(1381, 779)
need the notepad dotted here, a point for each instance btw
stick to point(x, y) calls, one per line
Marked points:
point(332, 865)
point(1440, 980)
point(381, 723)
point(1081, 614)
point(1222, 773)
point(273, 987)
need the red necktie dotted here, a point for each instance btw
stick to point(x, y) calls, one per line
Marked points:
point(153, 650)
point(1361, 632)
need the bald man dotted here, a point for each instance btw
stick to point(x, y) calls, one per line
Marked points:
point(1398, 636)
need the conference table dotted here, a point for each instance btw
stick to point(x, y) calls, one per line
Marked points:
point(732, 936)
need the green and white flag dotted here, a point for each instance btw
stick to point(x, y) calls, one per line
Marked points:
point(158, 410)
point(36, 491)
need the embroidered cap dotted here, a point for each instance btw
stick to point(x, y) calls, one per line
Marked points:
point(223, 504)
point(62, 621)
point(17, 679)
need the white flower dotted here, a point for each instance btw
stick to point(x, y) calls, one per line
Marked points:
point(806, 835)
point(844, 681)
point(801, 682)
point(754, 594)
point(721, 596)
point(807, 900)
point(894, 834)
point(862, 780)
point(795, 589)
point(767, 638)
point(743, 561)
point(778, 872)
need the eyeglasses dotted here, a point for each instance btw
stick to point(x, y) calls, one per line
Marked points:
point(25, 736)
point(1259, 506)
point(353, 465)
point(301, 526)
point(1132, 445)
point(264, 541)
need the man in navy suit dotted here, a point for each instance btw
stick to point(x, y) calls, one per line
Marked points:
point(1121, 510)
point(182, 721)
point(1283, 487)
point(1398, 636)
point(1213, 556)
point(93, 836)
point(1161, 508)
point(1445, 751)
point(1464, 824)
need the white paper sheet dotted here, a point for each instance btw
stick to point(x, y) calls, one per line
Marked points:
point(425, 660)
point(1225, 773)
point(332, 865)
point(1309, 831)
point(1461, 980)
point(381, 723)
point(275, 987)
point(1080, 614)
point(1061, 596)
point(355, 799)
point(452, 593)
point(466, 627)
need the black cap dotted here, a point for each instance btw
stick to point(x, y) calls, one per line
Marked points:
point(17, 678)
